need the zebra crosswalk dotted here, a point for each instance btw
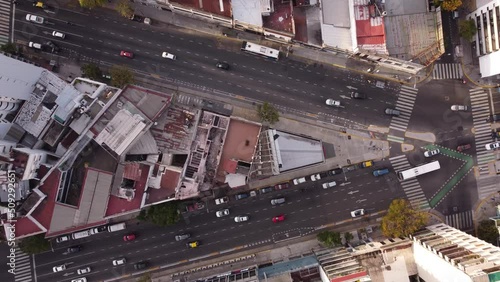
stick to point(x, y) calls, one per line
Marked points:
point(411, 187)
point(480, 103)
point(447, 71)
point(5, 20)
point(462, 220)
point(188, 100)
point(487, 185)
point(405, 103)
point(23, 267)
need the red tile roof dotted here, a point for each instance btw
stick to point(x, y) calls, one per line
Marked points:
point(211, 6)
point(169, 181)
point(281, 18)
point(132, 171)
point(43, 213)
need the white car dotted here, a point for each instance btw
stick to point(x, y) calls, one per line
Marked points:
point(35, 45)
point(35, 19)
point(315, 177)
point(63, 238)
point(492, 146)
point(431, 153)
point(222, 213)
point(357, 213)
point(167, 55)
point(241, 218)
point(221, 201)
point(119, 261)
point(333, 103)
point(81, 279)
point(58, 34)
point(297, 181)
point(83, 270)
point(329, 184)
point(59, 268)
point(459, 108)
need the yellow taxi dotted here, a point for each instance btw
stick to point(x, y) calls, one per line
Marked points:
point(40, 5)
point(193, 244)
point(367, 164)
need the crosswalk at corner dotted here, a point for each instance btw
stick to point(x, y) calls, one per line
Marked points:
point(411, 187)
point(5, 20)
point(447, 71)
point(462, 221)
point(188, 100)
point(480, 102)
point(23, 267)
point(406, 101)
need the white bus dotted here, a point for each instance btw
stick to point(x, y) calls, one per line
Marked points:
point(419, 170)
point(260, 50)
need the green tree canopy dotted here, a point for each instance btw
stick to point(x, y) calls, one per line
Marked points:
point(488, 232)
point(467, 29)
point(162, 214)
point(268, 113)
point(91, 4)
point(34, 244)
point(329, 238)
point(348, 236)
point(451, 5)
point(124, 8)
point(10, 48)
point(121, 76)
point(402, 219)
point(91, 71)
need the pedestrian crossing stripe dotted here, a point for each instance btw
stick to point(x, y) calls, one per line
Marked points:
point(461, 221)
point(395, 139)
point(485, 158)
point(447, 71)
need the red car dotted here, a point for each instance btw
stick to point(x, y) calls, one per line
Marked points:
point(281, 186)
point(127, 54)
point(463, 147)
point(279, 218)
point(129, 237)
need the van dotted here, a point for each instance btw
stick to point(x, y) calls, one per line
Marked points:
point(117, 227)
point(80, 234)
point(277, 201)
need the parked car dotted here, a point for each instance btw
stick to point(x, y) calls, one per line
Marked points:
point(222, 213)
point(181, 237)
point(462, 148)
point(277, 201)
point(494, 118)
point(222, 65)
point(279, 218)
point(83, 270)
point(53, 47)
point(298, 181)
point(73, 249)
point(35, 19)
point(495, 134)
point(59, 268)
point(35, 45)
point(241, 218)
point(329, 184)
point(315, 177)
point(127, 54)
point(221, 201)
point(137, 18)
point(195, 206)
point(119, 261)
point(39, 4)
point(63, 238)
point(366, 164)
point(333, 103)
point(266, 190)
point(380, 172)
point(129, 237)
point(193, 244)
point(81, 279)
point(58, 34)
point(459, 108)
point(335, 171)
point(281, 186)
point(492, 146)
point(392, 112)
point(358, 95)
point(431, 153)
point(241, 196)
point(167, 55)
point(357, 213)
point(140, 265)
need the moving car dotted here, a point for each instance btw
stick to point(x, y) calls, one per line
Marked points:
point(73, 249)
point(222, 65)
point(241, 196)
point(39, 4)
point(129, 237)
point(241, 218)
point(81, 279)
point(119, 261)
point(392, 112)
point(181, 237)
point(266, 190)
point(193, 244)
point(277, 201)
point(315, 177)
point(222, 213)
point(329, 184)
point(54, 48)
point(127, 54)
point(35, 45)
point(297, 181)
point(281, 186)
point(221, 201)
point(333, 103)
point(59, 268)
point(279, 218)
point(140, 265)
point(431, 153)
point(167, 55)
point(357, 213)
point(462, 148)
point(34, 19)
point(459, 108)
point(492, 146)
point(380, 172)
point(358, 95)
point(63, 238)
point(84, 270)
point(58, 34)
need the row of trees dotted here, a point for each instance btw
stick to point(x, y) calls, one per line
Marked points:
point(123, 7)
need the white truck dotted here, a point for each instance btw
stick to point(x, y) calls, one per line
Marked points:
point(222, 200)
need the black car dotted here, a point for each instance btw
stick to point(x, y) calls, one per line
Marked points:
point(137, 18)
point(73, 249)
point(222, 65)
point(241, 196)
point(54, 48)
point(335, 171)
point(494, 118)
point(266, 190)
point(357, 95)
point(140, 265)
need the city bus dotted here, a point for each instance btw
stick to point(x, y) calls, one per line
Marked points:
point(260, 50)
point(419, 170)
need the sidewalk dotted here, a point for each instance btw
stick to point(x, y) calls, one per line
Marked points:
point(470, 67)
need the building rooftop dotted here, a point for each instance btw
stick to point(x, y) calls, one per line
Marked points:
point(247, 11)
point(211, 6)
point(281, 18)
point(18, 78)
point(162, 184)
point(337, 24)
point(174, 130)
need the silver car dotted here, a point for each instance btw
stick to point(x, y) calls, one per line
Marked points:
point(241, 218)
point(222, 213)
point(431, 153)
point(181, 237)
point(333, 103)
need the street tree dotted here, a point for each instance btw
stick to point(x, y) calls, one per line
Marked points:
point(268, 113)
point(451, 5)
point(329, 238)
point(348, 236)
point(163, 214)
point(10, 48)
point(467, 29)
point(121, 76)
point(402, 219)
point(91, 71)
point(91, 4)
point(487, 231)
point(124, 8)
point(34, 244)
point(145, 278)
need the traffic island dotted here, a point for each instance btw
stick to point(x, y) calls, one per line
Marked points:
point(407, 147)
